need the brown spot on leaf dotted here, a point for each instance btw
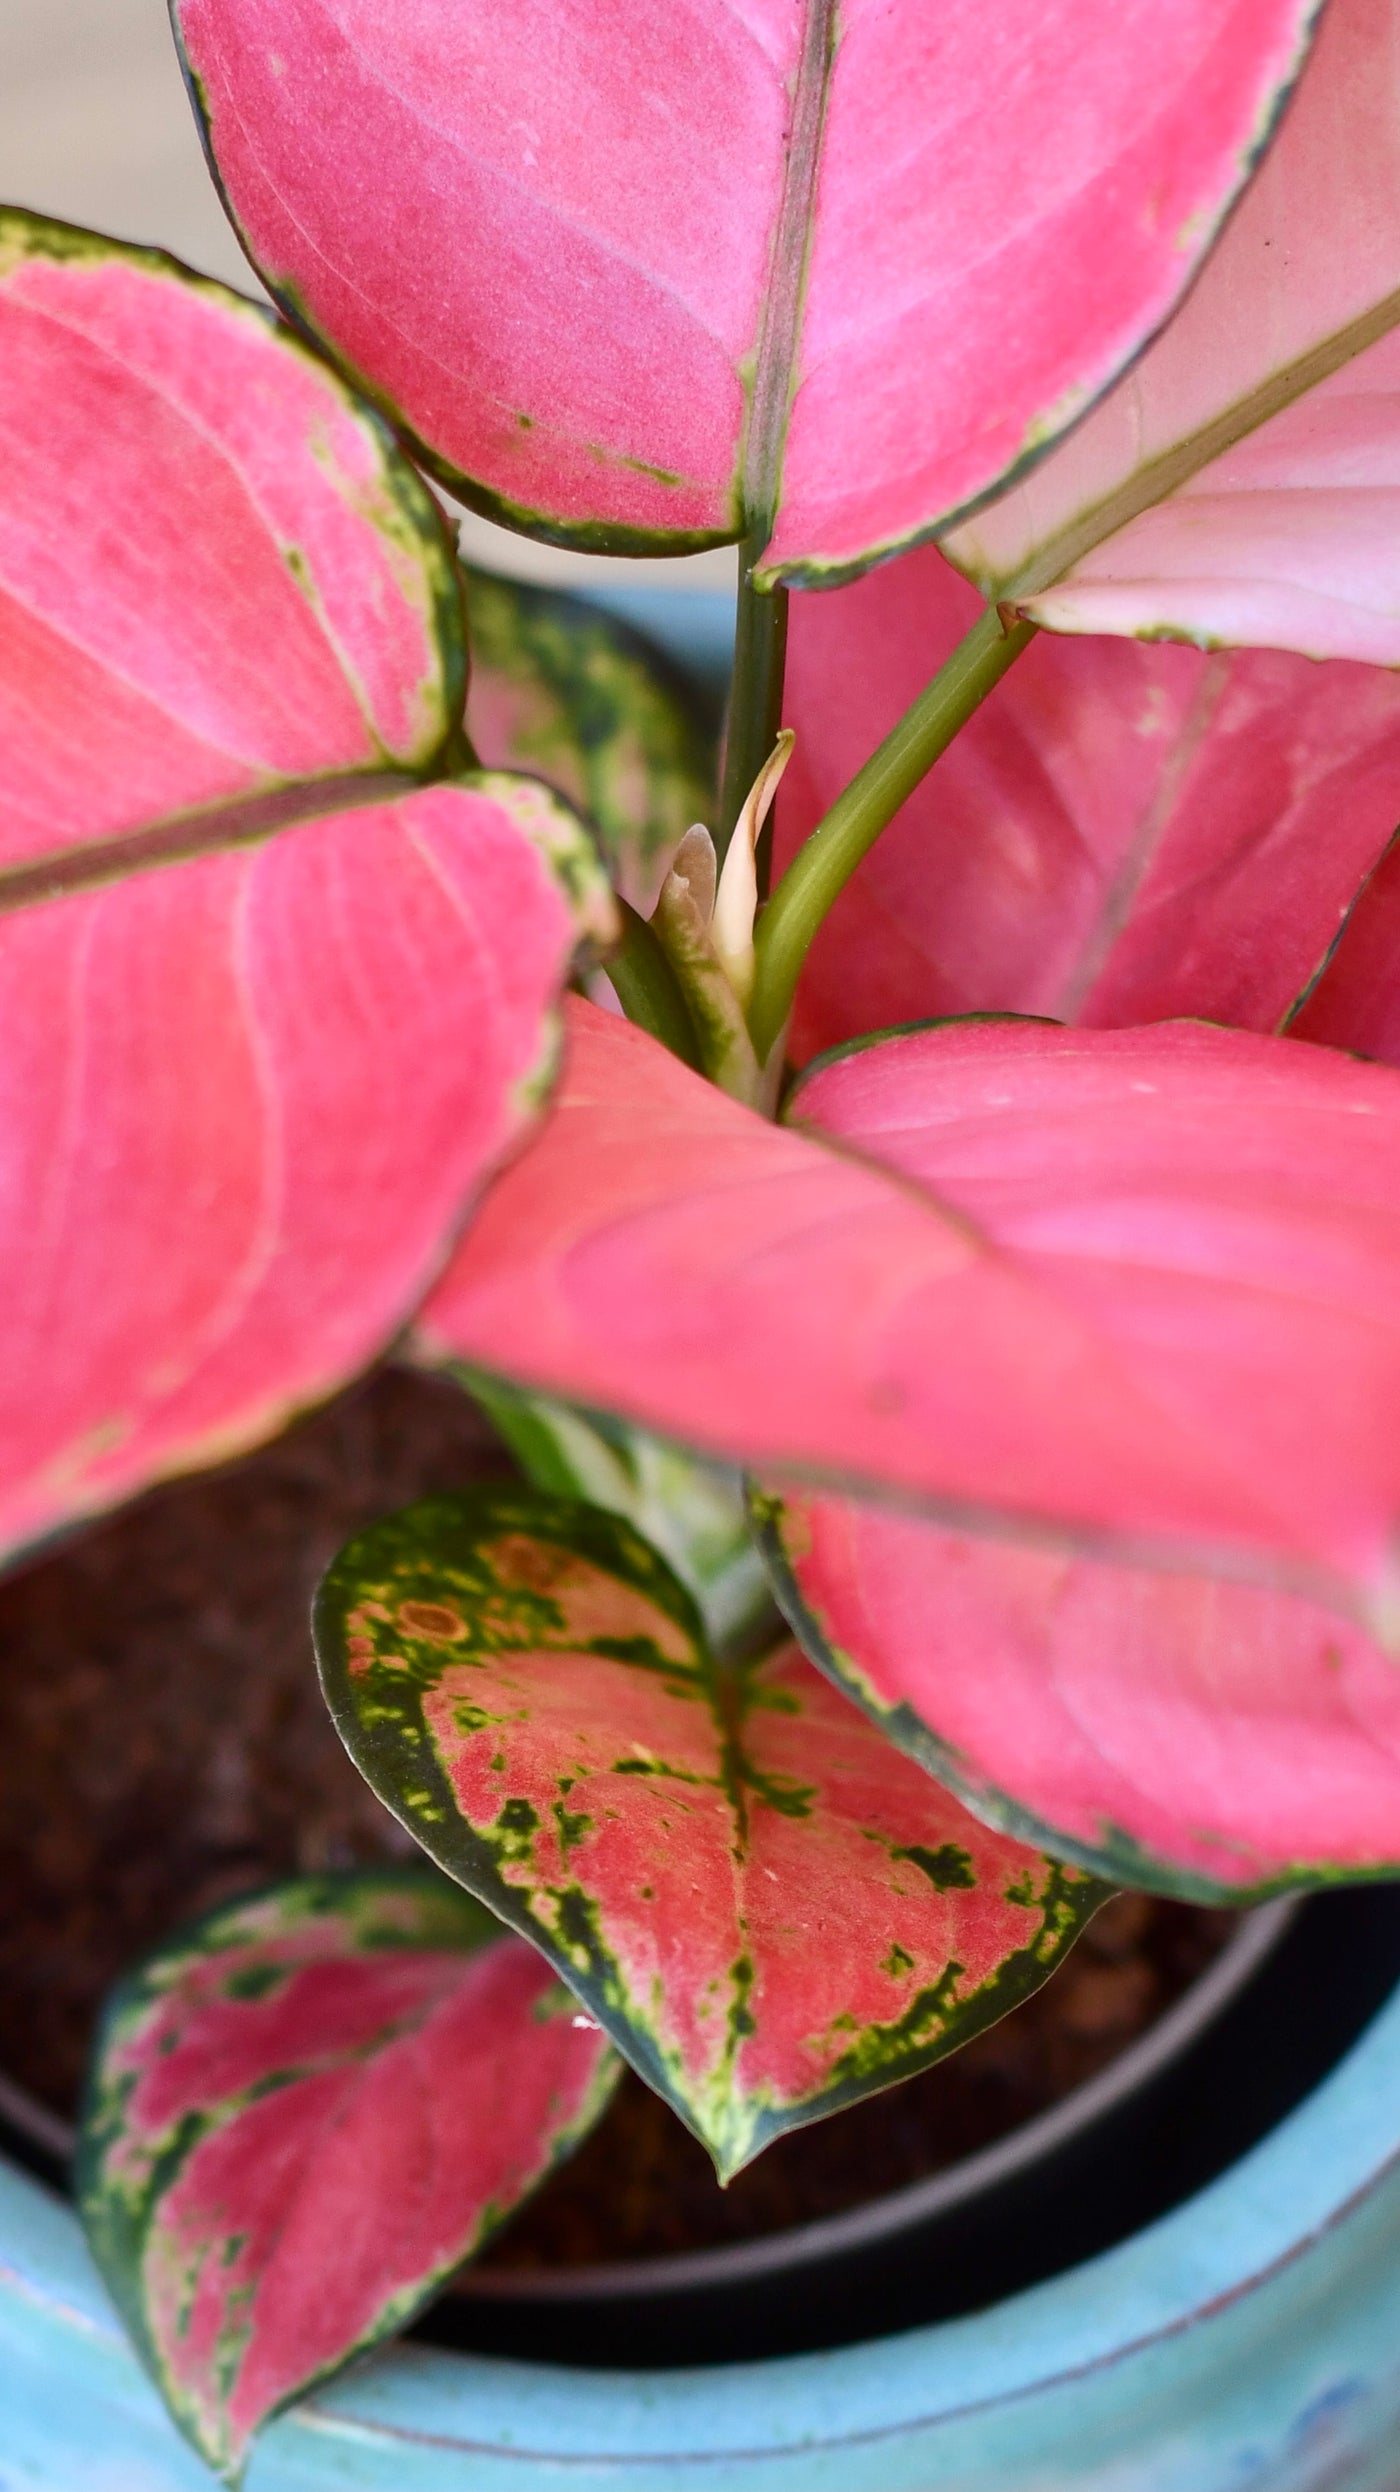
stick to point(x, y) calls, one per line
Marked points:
point(433, 1621)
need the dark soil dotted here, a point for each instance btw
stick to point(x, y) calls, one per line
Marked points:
point(163, 1746)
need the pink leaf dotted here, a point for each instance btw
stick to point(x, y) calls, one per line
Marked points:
point(1210, 1739)
point(770, 1912)
point(1119, 834)
point(637, 276)
point(1266, 412)
point(303, 2114)
point(272, 1010)
point(1139, 1289)
point(216, 575)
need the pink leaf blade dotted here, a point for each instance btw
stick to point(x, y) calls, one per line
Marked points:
point(1130, 1290)
point(1203, 1739)
point(1120, 834)
point(303, 2114)
point(641, 282)
point(217, 1078)
point(210, 554)
point(1234, 488)
point(769, 1913)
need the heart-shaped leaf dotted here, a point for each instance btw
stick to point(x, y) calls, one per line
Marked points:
point(1206, 1739)
point(304, 2112)
point(1266, 411)
point(635, 277)
point(1119, 834)
point(557, 686)
point(273, 1010)
point(1135, 1289)
point(770, 1912)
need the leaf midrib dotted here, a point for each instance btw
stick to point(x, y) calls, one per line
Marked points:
point(775, 362)
point(207, 831)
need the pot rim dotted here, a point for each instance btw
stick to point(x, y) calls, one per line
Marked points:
point(802, 2245)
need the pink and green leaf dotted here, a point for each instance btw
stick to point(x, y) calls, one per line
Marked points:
point(1137, 1291)
point(769, 1911)
point(642, 278)
point(274, 1009)
point(1202, 1738)
point(303, 2113)
point(560, 688)
point(1240, 487)
point(1121, 833)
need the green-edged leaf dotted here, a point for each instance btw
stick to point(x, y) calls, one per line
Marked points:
point(770, 1910)
point(558, 687)
point(1214, 1740)
point(305, 2110)
point(1238, 486)
point(691, 1511)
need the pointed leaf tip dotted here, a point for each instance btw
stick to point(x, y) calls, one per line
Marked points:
point(770, 1912)
point(304, 2111)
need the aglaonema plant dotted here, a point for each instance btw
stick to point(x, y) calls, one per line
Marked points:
point(939, 1267)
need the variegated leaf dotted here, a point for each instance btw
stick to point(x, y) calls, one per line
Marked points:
point(557, 686)
point(304, 2112)
point(769, 1910)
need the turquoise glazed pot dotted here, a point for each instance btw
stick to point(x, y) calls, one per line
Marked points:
point(1249, 2339)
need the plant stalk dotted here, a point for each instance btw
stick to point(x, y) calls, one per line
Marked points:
point(756, 690)
point(647, 988)
point(823, 867)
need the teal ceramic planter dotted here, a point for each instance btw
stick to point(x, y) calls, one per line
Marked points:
point(1249, 2340)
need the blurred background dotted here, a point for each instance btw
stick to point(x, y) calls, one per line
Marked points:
point(95, 126)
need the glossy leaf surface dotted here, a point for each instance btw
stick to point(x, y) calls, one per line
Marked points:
point(558, 687)
point(1205, 1738)
point(771, 1912)
point(272, 1011)
point(304, 2112)
point(635, 277)
point(1140, 1289)
point(1266, 411)
point(1120, 833)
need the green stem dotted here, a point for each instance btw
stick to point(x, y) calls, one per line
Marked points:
point(647, 989)
point(823, 867)
point(756, 690)
point(458, 754)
